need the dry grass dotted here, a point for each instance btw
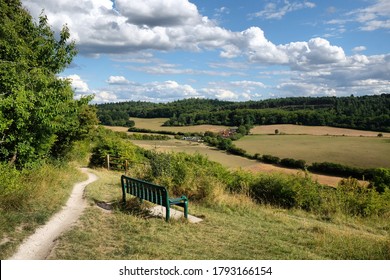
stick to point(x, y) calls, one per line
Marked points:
point(47, 189)
point(156, 124)
point(366, 152)
point(233, 228)
point(313, 130)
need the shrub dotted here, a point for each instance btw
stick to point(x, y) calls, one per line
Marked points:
point(380, 179)
point(270, 159)
point(183, 174)
point(357, 200)
point(337, 169)
point(12, 193)
point(113, 144)
point(274, 190)
point(292, 163)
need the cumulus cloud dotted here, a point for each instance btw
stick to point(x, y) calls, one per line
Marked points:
point(153, 91)
point(104, 96)
point(134, 26)
point(98, 27)
point(78, 85)
point(117, 80)
point(135, 29)
point(357, 74)
point(154, 13)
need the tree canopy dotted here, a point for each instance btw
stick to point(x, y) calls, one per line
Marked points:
point(39, 117)
point(370, 112)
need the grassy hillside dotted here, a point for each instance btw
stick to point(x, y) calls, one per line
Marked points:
point(29, 198)
point(233, 228)
point(246, 216)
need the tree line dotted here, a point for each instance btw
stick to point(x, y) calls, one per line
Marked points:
point(369, 112)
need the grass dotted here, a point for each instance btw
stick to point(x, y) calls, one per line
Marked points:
point(365, 152)
point(173, 145)
point(312, 130)
point(156, 124)
point(312, 143)
point(230, 230)
point(45, 190)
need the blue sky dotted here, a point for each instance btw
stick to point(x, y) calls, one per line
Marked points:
point(165, 50)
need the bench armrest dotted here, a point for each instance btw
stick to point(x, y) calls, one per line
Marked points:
point(178, 200)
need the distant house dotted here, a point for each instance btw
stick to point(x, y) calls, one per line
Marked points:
point(192, 138)
point(227, 133)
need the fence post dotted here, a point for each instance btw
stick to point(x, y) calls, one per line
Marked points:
point(108, 162)
point(126, 166)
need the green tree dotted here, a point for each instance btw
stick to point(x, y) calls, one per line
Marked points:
point(38, 114)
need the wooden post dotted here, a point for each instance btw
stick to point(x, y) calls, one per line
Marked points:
point(108, 162)
point(126, 166)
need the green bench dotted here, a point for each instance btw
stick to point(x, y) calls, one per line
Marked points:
point(153, 193)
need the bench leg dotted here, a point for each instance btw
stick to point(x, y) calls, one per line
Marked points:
point(123, 195)
point(185, 209)
point(167, 213)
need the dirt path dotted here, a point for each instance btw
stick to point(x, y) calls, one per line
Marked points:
point(39, 245)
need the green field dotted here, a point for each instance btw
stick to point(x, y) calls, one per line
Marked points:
point(156, 124)
point(314, 144)
point(363, 152)
point(173, 145)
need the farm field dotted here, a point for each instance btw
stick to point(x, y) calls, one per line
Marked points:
point(156, 124)
point(366, 152)
point(228, 160)
point(313, 130)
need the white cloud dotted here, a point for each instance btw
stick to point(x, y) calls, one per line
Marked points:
point(259, 49)
point(78, 85)
point(155, 25)
point(104, 97)
point(273, 11)
point(220, 93)
point(359, 49)
point(251, 84)
point(135, 29)
point(370, 18)
point(117, 80)
point(376, 16)
point(153, 91)
point(154, 13)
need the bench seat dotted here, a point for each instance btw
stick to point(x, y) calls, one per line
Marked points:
point(152, 193)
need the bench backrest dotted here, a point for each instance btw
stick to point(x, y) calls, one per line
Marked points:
point(145, 190)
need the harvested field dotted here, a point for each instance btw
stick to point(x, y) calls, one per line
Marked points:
point(230, 161)
point(156, 124)
point(365, 152)
point(313, 130)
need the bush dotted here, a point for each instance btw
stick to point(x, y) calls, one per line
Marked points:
point(12, 193)
point(183, 174)
point(357, 200)
point(274, 190)
point(113, 144)
point(270, 159)
point(338, 170)
point(380, 179)
point(292, 163)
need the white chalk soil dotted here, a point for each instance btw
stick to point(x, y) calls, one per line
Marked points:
point(39, 245)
